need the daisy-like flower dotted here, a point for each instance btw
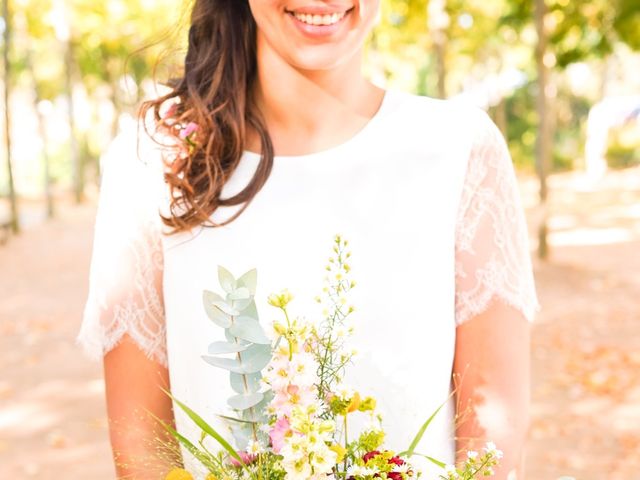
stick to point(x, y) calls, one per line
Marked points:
point(360, 471)
point(297, 469)
point(323, 459)
point(490, 448)
point(255, 448)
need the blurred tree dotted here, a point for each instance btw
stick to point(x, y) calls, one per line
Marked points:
point(6, 48)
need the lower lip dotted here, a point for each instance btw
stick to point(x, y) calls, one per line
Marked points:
point(318, 31)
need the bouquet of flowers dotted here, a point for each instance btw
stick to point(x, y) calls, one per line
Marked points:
point(292, 406)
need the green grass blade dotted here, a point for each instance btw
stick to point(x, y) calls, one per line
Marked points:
point(423, 428)
point(203, 457)
point(209, 430)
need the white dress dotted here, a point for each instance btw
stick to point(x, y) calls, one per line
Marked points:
point(425, 194)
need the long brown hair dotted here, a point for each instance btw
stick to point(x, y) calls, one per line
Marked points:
point(213, 106)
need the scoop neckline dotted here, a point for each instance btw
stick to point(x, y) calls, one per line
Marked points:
point(355, 138)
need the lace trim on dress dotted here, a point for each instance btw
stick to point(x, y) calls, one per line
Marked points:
point(492, 243)
point(125, 292)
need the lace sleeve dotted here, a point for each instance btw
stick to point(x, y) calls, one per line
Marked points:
point(125, 281)
point(492, 244)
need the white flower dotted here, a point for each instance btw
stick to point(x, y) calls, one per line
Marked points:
point(472, 455)
point(490, 448)
point(255, 448)
point(451, 472)
point(297, 470)
point(358, 471)
point(323, 459)
point(303, 369)
point(404, 468)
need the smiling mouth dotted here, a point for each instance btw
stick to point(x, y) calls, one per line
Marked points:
point(319, 19)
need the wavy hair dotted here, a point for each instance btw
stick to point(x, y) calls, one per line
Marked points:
point(212, 106)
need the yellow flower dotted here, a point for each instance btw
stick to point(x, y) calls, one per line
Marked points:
point(340, 451)
point(211, 476)
point(179, 474)
point(355, 403)
point(281, 299)
point(368, 404)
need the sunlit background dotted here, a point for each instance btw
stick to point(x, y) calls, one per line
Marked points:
point(562, 81)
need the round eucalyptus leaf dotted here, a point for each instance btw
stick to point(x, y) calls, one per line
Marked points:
point(218, 348)
point(245, 383)
point(245, 401)
point(230, 364)
point(249, 280)
point(255, 358)
point(227, 282)
point(249, 329)
point(215, 314)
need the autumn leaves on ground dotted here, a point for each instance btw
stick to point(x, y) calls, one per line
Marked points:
point(586, 348)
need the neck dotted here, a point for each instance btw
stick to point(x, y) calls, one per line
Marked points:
point(308, 111)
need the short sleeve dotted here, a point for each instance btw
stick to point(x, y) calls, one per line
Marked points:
point(125, 279)
point(492, 243)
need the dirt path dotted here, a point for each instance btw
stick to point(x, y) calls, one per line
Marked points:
point(586, 347)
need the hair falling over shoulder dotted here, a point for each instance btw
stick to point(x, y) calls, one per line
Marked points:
point(211, 107)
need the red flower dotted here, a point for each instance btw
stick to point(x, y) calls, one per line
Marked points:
point(396, 461)
point(368, 456)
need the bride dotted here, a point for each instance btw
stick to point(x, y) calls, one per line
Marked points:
point(270, 143)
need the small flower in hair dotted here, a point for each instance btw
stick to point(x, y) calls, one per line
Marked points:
point(189, 130)
point(171, 111)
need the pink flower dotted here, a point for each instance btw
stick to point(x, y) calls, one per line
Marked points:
point(278, 433)
point(247, 459)
point(171, 111)
point(189, 130)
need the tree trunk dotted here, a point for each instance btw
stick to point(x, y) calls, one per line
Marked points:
point(76, 161)
point(543, 140)
point(13, 221)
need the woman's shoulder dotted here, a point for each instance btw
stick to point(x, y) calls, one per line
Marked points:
point(439, 120)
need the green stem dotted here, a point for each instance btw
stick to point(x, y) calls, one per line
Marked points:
point(346, 442)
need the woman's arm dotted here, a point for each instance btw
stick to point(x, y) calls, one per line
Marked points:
point(491, 370)
point(134, 387)
point(495, 303)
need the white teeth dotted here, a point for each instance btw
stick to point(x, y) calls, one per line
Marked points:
point(328, 19)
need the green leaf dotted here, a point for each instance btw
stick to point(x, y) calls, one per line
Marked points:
point(230, 364)
point(249, 280)
point(258, 413)
point(255, 358)
point(423, 429)
point(226, 308)
point(227, 282)
point(249, 329)
point(241, 434)
point(208, 429)
point(251, 310)
point(239, 299)
point(217, 316)
point(431, 459)
point(244, 402)
point(238, 382)
point(241, 293)
point(217, 348)
point(233, 339)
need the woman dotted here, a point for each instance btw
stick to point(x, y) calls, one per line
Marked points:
point(288, 145)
